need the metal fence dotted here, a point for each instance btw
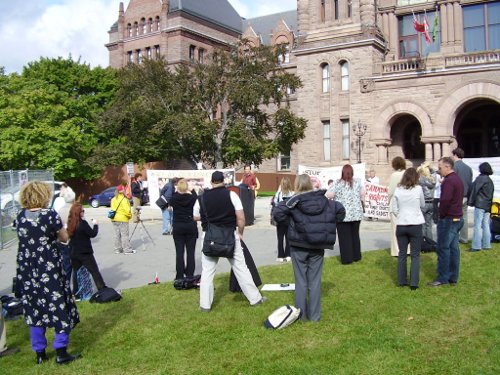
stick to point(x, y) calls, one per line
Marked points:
point(10, 185)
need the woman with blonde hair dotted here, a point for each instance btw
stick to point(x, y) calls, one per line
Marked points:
point(185, 230)
point(44, 287)
point(284, 192)
point(311, 217)
point(121, 205)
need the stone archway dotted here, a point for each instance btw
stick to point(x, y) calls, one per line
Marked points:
point(406, 134)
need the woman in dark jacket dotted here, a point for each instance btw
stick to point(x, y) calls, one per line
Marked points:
point(481, 197)
point(82, 253)
point(312, 229)
point(185, 230)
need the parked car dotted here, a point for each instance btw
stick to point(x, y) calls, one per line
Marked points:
point(105, 196)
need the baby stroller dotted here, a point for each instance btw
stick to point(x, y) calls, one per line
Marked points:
point(495, 220)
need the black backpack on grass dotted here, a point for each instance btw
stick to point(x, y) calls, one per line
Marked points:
point(105, 295)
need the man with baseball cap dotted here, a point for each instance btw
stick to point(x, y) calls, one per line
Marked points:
point(223, 208)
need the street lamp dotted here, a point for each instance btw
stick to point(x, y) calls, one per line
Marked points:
point(359, 131)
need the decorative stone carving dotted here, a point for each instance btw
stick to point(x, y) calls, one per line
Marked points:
point(367, 85)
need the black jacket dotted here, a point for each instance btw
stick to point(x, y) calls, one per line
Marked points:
point(481, 193)
point(311, 218)
point(182, 220)
point(80, 241)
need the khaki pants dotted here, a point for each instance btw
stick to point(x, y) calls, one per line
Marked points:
point(137, 203)
point(3, 339)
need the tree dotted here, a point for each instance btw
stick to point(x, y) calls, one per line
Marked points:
point(233, 108)
point(48, 116)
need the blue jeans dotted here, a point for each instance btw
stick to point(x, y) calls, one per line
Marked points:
point(166, 215)
point(481, 237)
point(448, 251)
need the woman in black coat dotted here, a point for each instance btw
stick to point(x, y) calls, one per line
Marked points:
point(184, 229)
point(82, 253)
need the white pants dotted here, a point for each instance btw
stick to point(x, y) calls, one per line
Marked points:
point(208, 267)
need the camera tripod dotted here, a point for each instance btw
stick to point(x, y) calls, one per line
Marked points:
point(143, 230)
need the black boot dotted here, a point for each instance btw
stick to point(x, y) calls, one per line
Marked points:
point(64, 357)
point(41, 357)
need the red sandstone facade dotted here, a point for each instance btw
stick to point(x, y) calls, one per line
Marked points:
point(360, 62)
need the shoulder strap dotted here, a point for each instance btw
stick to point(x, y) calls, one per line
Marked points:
point(119, 204)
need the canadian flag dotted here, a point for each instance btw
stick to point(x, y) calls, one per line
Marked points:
point(422, 27)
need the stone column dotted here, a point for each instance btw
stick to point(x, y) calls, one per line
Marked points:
point(442, 26)
point(382, 154)
point(449, 23)
point(428, 152)
point(437, 151)
point(393, 35)
point(446, 149)
point(458, 19)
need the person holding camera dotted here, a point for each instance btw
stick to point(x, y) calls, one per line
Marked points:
point(121, 205)
point(82, 254)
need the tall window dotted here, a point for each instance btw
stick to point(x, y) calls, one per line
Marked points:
point(344, 73)
point(139, 56)
point(150, 25)
point(349, 8)
point(322, 11)
point(130, 57)
point(201, 55)
point(346, 137)
point(149, 53)
point(413, 44)
point(157, 20)
point(191, 52)
point(284, 56)
point(326, 141)
point(129, 30)
point(336, 8)
point(144, 26)
point(480, 35)
point(284, 161)
point(325, 74)
point(136, 28)
point(157, 52)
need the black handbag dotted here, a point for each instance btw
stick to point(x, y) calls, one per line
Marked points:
point(219, 241)
point(162, 202)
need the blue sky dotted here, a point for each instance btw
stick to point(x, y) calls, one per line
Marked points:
point(30, 29)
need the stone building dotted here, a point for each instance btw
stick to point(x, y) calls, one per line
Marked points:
point(364, 68)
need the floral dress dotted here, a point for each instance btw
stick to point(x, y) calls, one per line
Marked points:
point(350, 197)
point(45, 289)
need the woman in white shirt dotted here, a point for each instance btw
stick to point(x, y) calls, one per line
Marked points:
point(406, 205)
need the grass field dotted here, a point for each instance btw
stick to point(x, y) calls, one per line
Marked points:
point(368, 326)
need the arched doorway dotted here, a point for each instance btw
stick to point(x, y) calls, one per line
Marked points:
point(406, 133)
point(477, 128)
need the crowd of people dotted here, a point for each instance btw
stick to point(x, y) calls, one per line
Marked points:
point(308, 220)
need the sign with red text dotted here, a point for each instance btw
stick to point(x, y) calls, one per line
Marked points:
point(376, 201)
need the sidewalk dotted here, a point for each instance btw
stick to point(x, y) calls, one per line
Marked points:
point(130, 271)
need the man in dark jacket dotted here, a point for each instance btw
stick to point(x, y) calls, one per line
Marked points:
point(166, 213)
point(136, 190)
point(311, 219)
point(449, 224)
point(481, 198)
point(465, 173)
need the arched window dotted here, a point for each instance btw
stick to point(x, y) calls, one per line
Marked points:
point(144, 26)
point(157, 21)
point(325, 77)
point(322, 11)
point(150, 25)
point(136, 28)
point(344, 74)
point(284, 56)
point(349, 8)
point(129, 30)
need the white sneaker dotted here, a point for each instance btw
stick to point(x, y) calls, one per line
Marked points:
point(280, 260)
point(288, 259)
point(129, 252)
point(118, 251)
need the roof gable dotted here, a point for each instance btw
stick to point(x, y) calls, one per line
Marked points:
point(265, 25)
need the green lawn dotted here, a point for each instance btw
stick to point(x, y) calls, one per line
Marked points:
point(368, 326)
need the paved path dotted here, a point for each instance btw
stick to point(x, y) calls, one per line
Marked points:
point(130, 271)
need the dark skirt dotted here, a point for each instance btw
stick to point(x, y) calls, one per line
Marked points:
point(234, 286)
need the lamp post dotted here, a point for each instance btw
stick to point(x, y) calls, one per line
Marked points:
point(359, 131)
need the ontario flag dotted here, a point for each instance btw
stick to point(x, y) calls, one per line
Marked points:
point(422, 27)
